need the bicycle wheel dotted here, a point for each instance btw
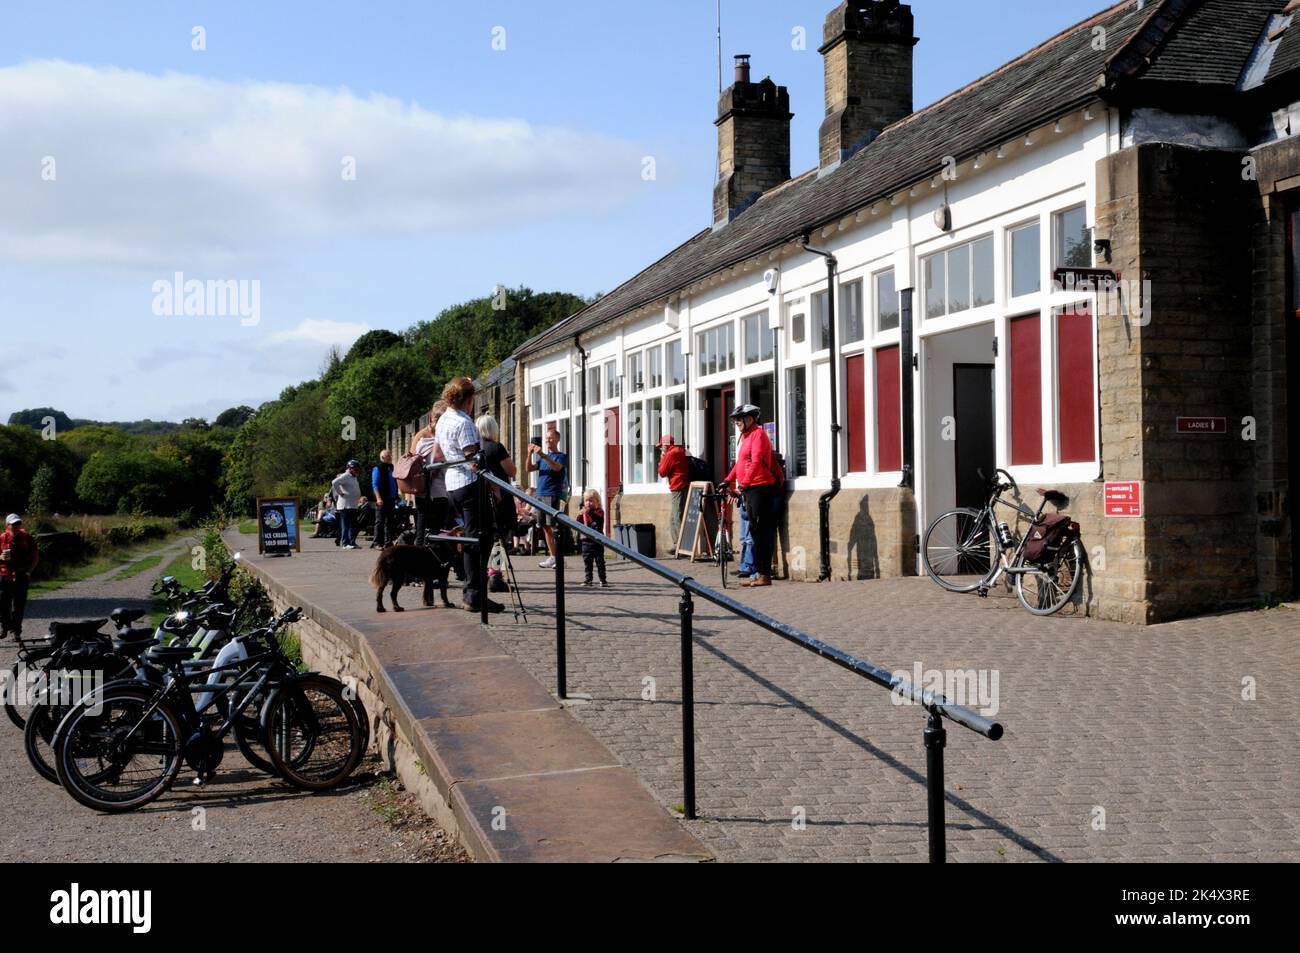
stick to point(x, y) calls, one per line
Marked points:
point(18, 695)
point(312, 733)
point(113, 753)
point(1045, 589)
point(724, 555)
point(37, 733)
point(960, 550)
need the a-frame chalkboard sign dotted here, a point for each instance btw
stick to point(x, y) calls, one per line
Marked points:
point(699, 524)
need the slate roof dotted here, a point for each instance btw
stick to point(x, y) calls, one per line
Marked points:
point(1212, 43)
point(1056, 78)
point(502, 372)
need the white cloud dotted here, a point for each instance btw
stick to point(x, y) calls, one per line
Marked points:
point(318, 331)
point(155, 169)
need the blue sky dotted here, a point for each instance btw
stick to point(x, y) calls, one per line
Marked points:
point(473, 166)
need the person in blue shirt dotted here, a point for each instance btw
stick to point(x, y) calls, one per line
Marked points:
point(552, 468)
point(385, 486)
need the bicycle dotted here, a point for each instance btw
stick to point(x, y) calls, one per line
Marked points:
point(122, 745)
point(969, 550)
point(722, 551)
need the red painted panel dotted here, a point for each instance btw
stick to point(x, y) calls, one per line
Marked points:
point(1026, 391)
point(613, 465)
point(855, 393)
point(889, 411)
point(1075, 398)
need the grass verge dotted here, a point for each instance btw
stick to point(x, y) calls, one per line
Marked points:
point(126, 559)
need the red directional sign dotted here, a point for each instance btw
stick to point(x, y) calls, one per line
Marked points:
point(1124, 499)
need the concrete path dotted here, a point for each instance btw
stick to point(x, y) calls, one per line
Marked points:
point(525, 780)
point(242, 815)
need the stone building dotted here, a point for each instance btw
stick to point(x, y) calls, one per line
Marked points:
point(1079, 268)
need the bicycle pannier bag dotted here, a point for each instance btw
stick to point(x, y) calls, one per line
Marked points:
point(409, 473)
point(1046, 536)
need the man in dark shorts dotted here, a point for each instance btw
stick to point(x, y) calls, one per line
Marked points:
point(552, 468)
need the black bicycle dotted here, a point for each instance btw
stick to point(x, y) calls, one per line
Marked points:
point(723, 554)
point(122, 746)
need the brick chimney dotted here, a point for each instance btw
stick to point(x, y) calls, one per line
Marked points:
point(753, 142)
point(867, 53)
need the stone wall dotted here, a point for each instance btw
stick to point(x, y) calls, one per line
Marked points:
point(1175, 219)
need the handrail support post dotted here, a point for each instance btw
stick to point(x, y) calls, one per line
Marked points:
point(686, 610)
point(560, 676)
point(936, 736)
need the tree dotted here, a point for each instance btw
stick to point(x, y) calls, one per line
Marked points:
point(370, 344)
point(44, 491)
point(379, 393)
point(235, 417)
point(35, 418)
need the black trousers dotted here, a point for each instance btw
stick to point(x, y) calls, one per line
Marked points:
point(383, 523)
point(761, 504)
point(593, 556)
point(13, 602)
point(466, 501)
point(430, 515)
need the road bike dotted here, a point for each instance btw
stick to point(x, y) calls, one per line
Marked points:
point(969, 550)
point(123, 745)
point(723, 554)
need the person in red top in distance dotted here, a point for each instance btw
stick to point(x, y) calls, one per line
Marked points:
point(18, 557)
point(676, 469)
point(759, 478)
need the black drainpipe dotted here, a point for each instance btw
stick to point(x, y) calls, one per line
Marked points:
point(824, 501)
point(582, 424)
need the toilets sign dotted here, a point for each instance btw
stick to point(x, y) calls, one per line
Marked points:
point(1124, 499)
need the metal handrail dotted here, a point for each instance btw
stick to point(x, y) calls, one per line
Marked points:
point(937, 706)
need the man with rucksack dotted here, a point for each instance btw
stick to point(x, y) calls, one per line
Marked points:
point(675, 467)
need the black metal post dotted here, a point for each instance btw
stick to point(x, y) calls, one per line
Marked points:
point(560, 678)
point(936, 736)
point(484, 547)
point(686, 609)
point(907, 381)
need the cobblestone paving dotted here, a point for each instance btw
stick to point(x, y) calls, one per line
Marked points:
point(1148, 725)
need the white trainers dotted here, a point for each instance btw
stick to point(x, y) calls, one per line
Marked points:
point(548, 563)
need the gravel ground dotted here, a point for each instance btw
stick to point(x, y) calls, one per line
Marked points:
point(242, 815)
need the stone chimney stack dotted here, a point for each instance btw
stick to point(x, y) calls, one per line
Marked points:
point(753, 142)
point(867, 53)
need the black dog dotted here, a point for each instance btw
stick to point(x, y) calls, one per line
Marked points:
point(400, 565)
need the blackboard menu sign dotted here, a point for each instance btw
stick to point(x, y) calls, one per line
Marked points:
point(277, 525)
point(699, 524)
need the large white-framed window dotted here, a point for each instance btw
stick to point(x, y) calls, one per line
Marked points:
point(635, 372)
point(676, 364)
point(659, 406)
point(886, 301)
point(958, 279)
point(852, 327)
point(716, 349)
point(758, 338)
point(1024, 260)
point(612, 387)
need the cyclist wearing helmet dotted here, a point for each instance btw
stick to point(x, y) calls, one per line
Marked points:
point(759, 479)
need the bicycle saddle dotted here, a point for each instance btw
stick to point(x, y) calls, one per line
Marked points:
point(122, 617)
point(133, 648)
point(168, 654)
point(133, 635)
point(62, 631)
point(1055, 497)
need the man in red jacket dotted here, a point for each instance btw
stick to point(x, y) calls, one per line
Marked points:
point(18, 557)
point(760, 480)
point(674, 467)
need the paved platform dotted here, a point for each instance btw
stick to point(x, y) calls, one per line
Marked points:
point(496, 744)
point(1122, 743)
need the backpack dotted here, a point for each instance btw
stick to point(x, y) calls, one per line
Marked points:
point(409, 473)
point(698, 470)
point(1046, 537)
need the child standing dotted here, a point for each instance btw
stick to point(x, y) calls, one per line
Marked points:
point(593, 553)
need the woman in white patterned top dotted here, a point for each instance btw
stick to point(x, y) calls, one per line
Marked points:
point(459, 439)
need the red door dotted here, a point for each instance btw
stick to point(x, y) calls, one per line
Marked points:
point(613, 465)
